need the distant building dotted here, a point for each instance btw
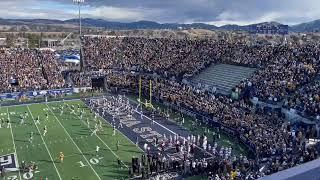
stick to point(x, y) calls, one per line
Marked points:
point(269, 28)
point(50, 43)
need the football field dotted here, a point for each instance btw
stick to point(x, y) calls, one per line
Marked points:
point(66, 133)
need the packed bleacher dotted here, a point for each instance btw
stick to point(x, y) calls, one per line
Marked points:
point(289, 68)
point(306, 100)
point(80, 79)
point(169, 57)
point(282, 71)
point(25, 70)
point(282, 68)
point(285, 74)
point(276, 145)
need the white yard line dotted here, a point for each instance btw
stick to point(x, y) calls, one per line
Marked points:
point(14, 144)
point(104, 142)
point(73, 141)
point(44, 142)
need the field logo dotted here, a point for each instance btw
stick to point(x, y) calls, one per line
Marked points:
point(9, 162)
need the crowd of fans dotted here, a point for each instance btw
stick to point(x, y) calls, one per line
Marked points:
point(80, 79)
point(277, 144)
point(288, 69)
point(281, 69)
point(285, 73)
point(306, 100)
point(169, 57)
point(23, 70)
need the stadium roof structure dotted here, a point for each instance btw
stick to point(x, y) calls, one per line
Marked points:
point(306, 171)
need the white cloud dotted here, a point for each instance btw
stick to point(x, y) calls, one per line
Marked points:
point(244, 13)
point(218, 12)
point(237, 18)
point(116, 13)
point(58, 10)
point(30, 9)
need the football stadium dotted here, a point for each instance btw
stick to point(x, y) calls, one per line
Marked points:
point(143, 100)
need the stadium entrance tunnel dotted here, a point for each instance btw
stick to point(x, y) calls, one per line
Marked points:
point(98, 82)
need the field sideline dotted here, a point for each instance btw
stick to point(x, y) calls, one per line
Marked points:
point(68, 134)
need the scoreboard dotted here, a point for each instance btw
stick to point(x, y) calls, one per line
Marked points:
point(269, 28)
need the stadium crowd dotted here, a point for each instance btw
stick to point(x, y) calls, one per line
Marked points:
point(285, 73)
point(23, 70)
point(282, 69)
point(80, 79)
point(168, 57)
point(306, 100)
point(276, 143)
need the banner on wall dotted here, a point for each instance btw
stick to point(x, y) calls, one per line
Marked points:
point(38, 93)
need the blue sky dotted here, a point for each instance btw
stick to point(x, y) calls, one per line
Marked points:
point(217, 12)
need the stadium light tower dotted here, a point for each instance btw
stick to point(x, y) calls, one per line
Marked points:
point(79, 2)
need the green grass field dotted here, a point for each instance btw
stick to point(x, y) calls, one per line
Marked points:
point(67, 134)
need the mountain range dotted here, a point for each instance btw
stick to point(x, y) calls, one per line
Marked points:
point(313, 26)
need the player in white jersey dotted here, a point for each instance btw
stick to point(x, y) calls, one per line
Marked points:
point(170, 140)
point(61, 110)
point(45, 131)
point(21, 119)
point(88, 122)
point(97, 150)
point(152, 117)
point(25, 114)
point(31, 137)
point(120, 125)
point(38, 120)
point(100, 125)
point(8, 123)
point(72, 111)
point(114, 130)
point(81, 114)
point(94, 132)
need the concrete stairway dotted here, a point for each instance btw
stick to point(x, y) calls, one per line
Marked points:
point(222, 76)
